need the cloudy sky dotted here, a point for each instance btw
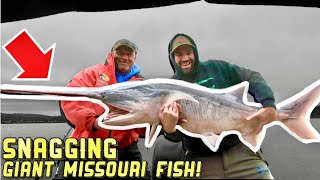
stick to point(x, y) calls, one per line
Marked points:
point(282, 43)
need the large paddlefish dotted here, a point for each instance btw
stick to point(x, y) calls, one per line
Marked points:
point(211, 114)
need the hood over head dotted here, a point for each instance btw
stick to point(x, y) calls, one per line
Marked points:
point(173, 44)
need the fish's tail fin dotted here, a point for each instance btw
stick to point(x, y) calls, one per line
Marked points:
point(295, 113)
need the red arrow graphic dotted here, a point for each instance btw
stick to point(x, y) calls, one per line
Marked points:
point(35, 64)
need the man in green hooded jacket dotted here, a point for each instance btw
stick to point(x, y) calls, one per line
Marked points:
point(233, 159)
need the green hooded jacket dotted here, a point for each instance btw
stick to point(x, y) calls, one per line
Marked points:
point(219, 74)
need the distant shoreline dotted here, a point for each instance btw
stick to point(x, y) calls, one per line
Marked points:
point(21, 118)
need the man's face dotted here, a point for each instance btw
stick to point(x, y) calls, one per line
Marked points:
point(184, 57)
point(124, 59)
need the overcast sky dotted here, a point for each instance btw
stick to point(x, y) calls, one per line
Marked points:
point(282, 43)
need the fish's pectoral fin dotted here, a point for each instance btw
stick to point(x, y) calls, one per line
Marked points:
point(178, 95)
point(152, 133)
point(211, 140)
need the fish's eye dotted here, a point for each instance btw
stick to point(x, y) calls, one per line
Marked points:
point(103, 95)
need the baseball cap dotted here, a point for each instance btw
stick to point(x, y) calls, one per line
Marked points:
point(179, 41)
point(125, 42)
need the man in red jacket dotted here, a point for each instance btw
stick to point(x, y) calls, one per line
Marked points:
point(119, 67)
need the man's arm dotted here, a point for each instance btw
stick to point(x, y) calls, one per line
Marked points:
point(173, 137)
point(258, 87)
point(261, 93)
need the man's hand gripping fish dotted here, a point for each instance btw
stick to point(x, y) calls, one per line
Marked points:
point(211, 114)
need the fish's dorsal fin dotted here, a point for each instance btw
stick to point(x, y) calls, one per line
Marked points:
point(240, 90)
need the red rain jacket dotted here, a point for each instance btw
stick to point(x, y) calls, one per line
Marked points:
point(83, 114)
